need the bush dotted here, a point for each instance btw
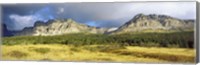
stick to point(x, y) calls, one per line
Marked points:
point(104, 48)
point(74, 49)
point(17, 54)
point(42, 50)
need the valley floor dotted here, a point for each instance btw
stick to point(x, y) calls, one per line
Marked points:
point(97, 53)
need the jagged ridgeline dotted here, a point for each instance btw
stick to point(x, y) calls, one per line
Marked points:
point(58, 27)
point(140, 23)
point(155, 23)
point(142, 30)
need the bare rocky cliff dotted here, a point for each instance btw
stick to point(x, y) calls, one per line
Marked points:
point(155, 23)
point(59, 27)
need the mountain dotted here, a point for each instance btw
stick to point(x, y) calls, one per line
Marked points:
point(59, 27)
point(155, 23)
point(139, 23)
point(6, 32)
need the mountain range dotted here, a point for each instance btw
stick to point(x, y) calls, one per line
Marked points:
point(155, 23)
point(139, 23)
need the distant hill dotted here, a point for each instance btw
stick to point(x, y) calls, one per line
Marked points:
point(139, 23)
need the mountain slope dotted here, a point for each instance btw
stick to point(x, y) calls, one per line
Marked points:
point(58, 27)
point(140, 23)
point(155, 23)
point(6, 32)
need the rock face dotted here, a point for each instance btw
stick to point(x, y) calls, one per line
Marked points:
point(6, 32)
point(58, 27)
point(155, 23)
point(140, 23)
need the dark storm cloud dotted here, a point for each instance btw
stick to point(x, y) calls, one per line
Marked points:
point(18, 16)
point(116, 14)
point(95, 14)
point(21, 9)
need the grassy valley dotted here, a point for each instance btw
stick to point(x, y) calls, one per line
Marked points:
point(137, 47)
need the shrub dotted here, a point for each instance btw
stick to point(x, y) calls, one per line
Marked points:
point(104, 48)
point(45, 59)
point(42, 50)
point(17, 54)
point(74, 49)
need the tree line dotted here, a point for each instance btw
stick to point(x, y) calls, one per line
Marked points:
point(176, 39)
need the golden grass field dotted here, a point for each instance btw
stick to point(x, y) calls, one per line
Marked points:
point(97, 53)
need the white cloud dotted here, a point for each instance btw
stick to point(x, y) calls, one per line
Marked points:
point(124, 12)
point(115, 11)
point(60, 10)
point(22, 21)
point(182, 10)
point(103, 13)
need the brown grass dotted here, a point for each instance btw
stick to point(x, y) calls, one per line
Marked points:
point(97, 53)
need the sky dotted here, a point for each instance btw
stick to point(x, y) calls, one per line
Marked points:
point(107, 15)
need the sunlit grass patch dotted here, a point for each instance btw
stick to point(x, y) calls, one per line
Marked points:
point(102, 48)
point(169, 54)
point(42, 50)
point(97, 53)
point(17, 54)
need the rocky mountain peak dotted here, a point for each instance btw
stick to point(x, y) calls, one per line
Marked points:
point(49, 22)
point(5, 31)
point(39, 23)
point(150, 17)
point(139, 16)
point(139, 23)
point(153, 22)
point(58, 27)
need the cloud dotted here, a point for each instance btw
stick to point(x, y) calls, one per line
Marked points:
point(101, 14)
point(60, 10)
point(119, 13)
point(22, 21)
point(45, 13)
point(182, 10)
